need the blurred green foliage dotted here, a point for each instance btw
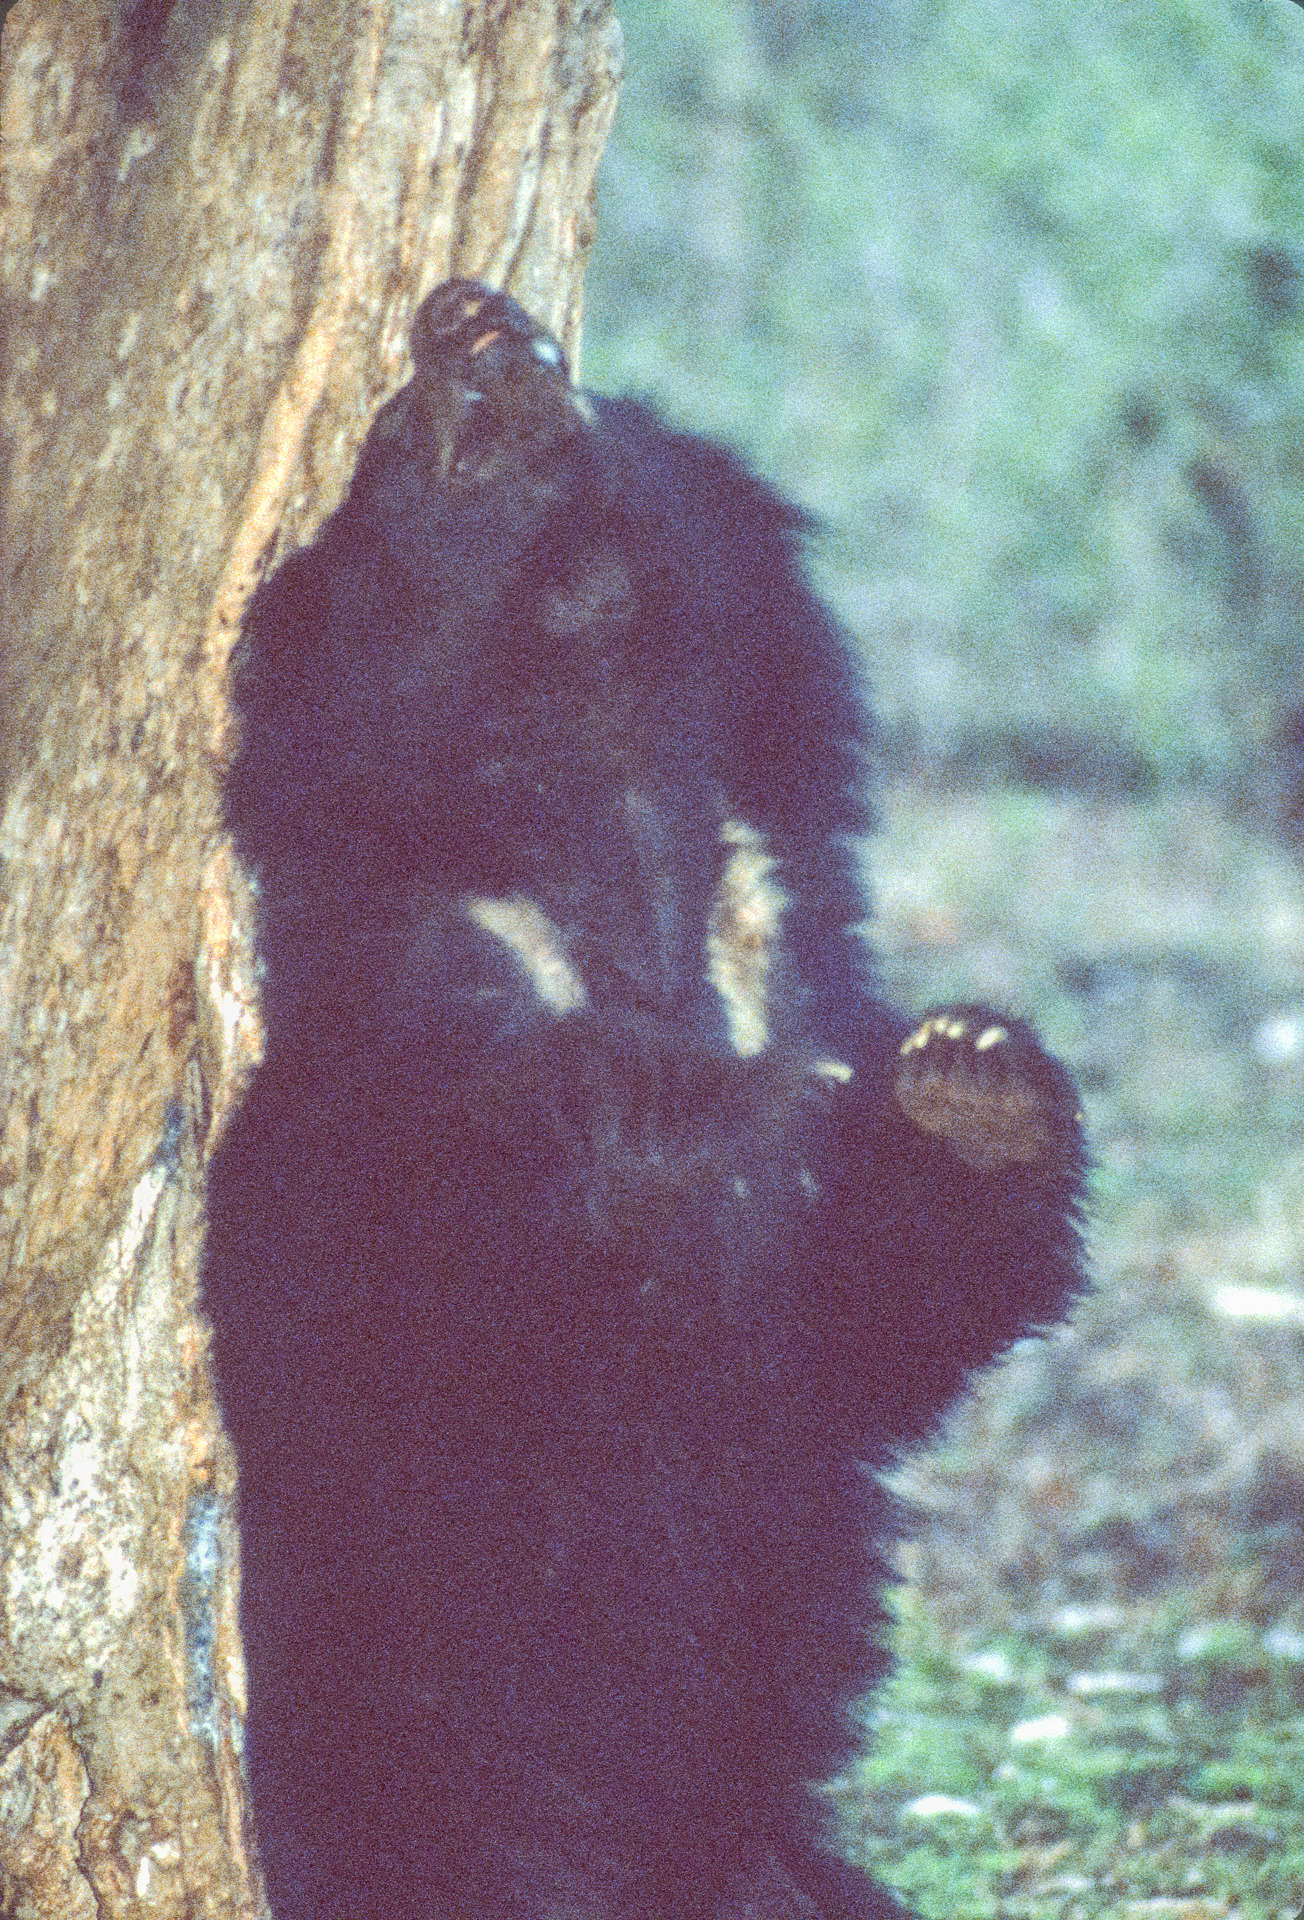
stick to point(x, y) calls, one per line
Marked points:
point(1014, 1779)
point(1013, 297)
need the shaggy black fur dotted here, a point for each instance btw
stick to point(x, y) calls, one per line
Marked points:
point(587, 1226)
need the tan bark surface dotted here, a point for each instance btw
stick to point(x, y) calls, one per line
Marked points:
point(216, 217)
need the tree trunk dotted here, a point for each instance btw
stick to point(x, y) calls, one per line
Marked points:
point(216, 217)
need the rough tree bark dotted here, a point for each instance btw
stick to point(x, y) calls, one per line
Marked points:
point(216, 217)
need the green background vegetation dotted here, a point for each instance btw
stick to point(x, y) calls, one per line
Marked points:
point(1011, 295)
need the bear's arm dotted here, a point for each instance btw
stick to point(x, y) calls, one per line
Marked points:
point(950, 1215)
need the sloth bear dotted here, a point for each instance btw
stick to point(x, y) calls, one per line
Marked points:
point(592, 1226)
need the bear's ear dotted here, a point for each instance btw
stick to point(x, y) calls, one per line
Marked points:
point(984, 1084)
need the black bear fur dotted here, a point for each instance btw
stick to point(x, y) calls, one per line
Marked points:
point(591, 1221)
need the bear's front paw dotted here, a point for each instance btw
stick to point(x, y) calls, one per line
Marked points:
point(986, 1086)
